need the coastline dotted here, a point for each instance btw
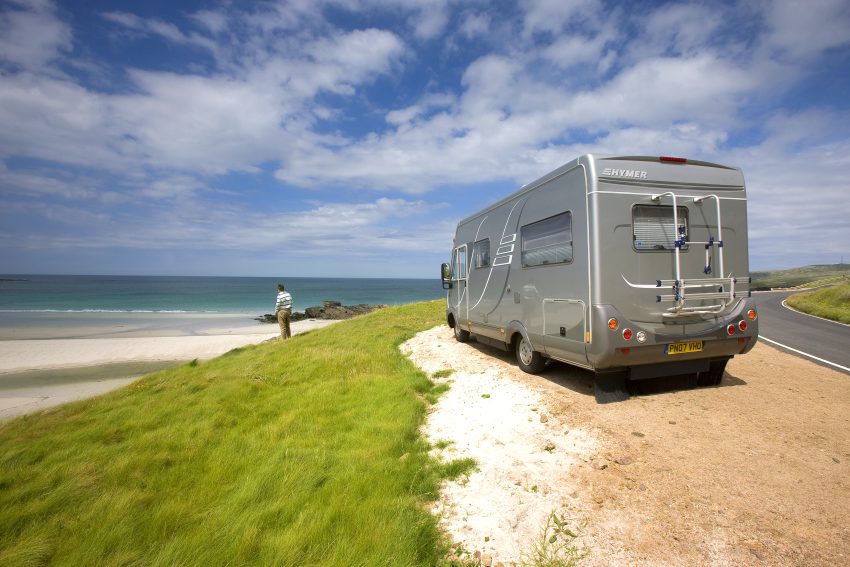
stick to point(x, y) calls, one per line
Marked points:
point(54, 358)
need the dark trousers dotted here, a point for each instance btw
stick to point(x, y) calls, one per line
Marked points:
point(283, 320)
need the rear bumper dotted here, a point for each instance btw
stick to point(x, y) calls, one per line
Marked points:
point(610, 351)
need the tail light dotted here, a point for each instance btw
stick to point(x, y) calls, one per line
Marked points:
point(673, 159)
point(627, 333)
point(742, 325)
point(730, 329)
point(613, 324)
point(751, 315)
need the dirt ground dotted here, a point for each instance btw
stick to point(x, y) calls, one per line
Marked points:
point(755, 471)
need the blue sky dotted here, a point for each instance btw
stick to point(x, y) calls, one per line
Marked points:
point(348, 137)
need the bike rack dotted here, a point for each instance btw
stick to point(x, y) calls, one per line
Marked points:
point(680, 287)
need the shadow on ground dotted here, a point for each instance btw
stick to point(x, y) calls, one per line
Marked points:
point(581, 381)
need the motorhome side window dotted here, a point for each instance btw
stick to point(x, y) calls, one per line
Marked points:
point(481, 253)
point(549, 241)
point(653, 226)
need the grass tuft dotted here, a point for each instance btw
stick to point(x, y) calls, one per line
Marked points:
point(555, 546)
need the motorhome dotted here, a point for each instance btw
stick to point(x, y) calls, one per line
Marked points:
point(632, 267)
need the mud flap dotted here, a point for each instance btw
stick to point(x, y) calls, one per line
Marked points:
point(609, 387)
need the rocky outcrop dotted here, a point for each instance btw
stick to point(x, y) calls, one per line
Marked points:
point(328, 310)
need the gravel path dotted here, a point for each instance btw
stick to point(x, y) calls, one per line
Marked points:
point(753, 472)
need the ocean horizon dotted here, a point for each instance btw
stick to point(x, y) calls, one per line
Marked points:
point(199, 294)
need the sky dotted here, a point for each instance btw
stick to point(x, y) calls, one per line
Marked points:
point(348, 137)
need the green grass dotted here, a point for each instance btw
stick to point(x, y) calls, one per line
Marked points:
point(804, 276)
point(830, 302)
point(555, 546)
point(303, 452)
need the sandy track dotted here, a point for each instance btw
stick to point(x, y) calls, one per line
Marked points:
point(753, 472)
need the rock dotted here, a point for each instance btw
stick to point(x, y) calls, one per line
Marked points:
point(599, 465)
point(486, 560)
point(328, 310)
point(544, 418)
point(626, 460)
point(638, 434)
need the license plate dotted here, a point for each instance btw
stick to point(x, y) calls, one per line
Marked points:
point(682, 348)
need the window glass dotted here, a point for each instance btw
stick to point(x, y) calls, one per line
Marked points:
point(481, 253)
point(461, 263)
point(549, 241)
point(653, 226)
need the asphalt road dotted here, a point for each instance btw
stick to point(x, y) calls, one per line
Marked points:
point(811, 337)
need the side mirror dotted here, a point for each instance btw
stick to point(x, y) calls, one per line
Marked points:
point(446, 275)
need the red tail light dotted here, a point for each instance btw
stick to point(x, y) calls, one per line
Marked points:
point(742, 325)
point(673, 159)
point(730, 329)
point(627, 333)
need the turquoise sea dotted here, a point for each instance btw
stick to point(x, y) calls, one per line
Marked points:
point(195, 294)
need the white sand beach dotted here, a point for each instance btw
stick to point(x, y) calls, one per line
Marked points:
point(47, 365)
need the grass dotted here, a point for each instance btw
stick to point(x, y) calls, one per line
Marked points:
point(804, 276)
point(830, 302)
point(555, 546)
point(303, 452)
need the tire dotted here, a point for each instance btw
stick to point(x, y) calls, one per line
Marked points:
point(460, 335)
point(714, 375)
point(529, 360)
point(610, 387)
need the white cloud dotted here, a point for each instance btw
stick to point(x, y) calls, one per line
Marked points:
point(553, 15)
point(475, 25)
point(33, 37)
point(799, 31)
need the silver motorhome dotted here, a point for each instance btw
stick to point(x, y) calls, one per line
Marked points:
point(632, 267)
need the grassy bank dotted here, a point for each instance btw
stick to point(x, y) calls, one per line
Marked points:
point(830, 302)
point(810, 276)
point(304, 452)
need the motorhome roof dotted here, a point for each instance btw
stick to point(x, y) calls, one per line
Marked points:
point(588, 159)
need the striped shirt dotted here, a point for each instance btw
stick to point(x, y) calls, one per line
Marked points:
point(284, 301)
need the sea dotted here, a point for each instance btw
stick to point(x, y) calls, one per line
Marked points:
point(199, 294)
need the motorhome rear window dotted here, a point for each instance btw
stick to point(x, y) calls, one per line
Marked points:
point(653, 226)
point(549, 241)
point(481, 253)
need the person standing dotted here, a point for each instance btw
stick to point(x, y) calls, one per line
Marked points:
point(283, 310)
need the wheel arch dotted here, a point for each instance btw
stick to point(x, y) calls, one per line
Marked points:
point(514, 331)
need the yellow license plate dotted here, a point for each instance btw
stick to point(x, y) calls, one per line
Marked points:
point(682, 348)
